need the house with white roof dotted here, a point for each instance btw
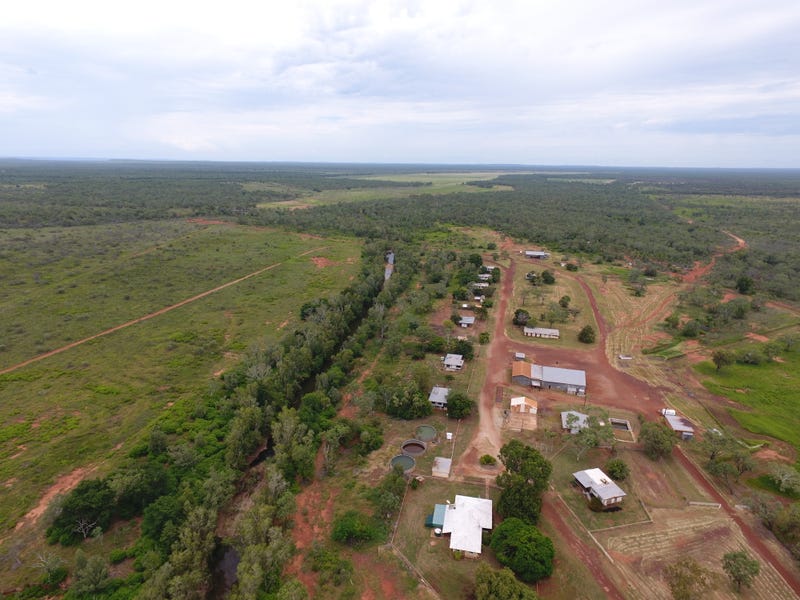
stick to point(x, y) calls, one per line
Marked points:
point(465, 519)
point(453, 362)
point(596, 484)
point(574, 421)
point(438, 396)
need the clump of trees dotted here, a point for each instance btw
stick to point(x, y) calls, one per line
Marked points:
point(524, 549)
point(587, 335)
point(491, 584)
point(657, 440)
point(459, 405)
point(523, 482)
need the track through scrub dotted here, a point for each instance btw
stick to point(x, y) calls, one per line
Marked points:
point(157, 313)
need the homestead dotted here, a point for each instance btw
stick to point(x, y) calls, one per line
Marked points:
point(571, 381)
point(453, 362)
point(464, 519)
point(438, 396)
point(541, 332)
point(596, 484)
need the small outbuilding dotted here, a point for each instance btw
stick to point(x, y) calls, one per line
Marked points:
point(467, 321)
point(524, 405)
point(438, 396)
point(453, 362)
point(577, 421)
point(441, 467)
point(680, 425)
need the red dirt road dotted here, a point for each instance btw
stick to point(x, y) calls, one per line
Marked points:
point(157, 313)
point(588, 555)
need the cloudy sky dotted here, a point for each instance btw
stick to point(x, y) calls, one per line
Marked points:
point(640, 82)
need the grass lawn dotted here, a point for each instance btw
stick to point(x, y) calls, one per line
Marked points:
point(769, 390)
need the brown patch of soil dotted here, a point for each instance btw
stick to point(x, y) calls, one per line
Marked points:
point(62, 485)
point(321, 262)
point(282, 325)
point(757, 337)
point(767, 454)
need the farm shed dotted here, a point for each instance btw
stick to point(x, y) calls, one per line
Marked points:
point(485, 276)
point(680, 425)
point(438, 396)
point(453, 362)
point(521, 372)
point(465, 519)
point(597, 484)
point(524, 405)
point(572, 381)
point(536, 254)
point(579, 422)
point(541, 332)
point(441, 467)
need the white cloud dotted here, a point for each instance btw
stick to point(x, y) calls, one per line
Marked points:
point(403, 80)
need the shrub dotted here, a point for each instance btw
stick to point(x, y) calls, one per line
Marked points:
point(617, 469)
point(354, 529)
point(587, 335)
point(488, 459)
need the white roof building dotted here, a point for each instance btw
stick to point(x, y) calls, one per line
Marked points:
point(438, 396)
point(454, 362)
point(465, 520)
point(596, 483)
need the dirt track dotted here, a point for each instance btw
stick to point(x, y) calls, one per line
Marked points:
point(157, 313)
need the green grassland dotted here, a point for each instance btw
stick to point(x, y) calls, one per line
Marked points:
point(91, 404)
point(769, 390)
point(432, 183)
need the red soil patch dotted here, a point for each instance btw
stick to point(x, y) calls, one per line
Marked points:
point(757, 337)
point(321, 262)
point(729, 296)
point(282, 325)
point(767, 454)
point(62, 485)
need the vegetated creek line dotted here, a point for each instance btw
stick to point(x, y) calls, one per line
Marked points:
point(157, 313)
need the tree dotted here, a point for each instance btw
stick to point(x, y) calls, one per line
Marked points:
point(587, 335)
point(459, 405)
point(745, 284)
point(687, 579)
point(786, 477)
point(521, 317)
point(548, 277)
point(617, 469)
point(724, 470)
point(564, 301)
point(90, 575)
point(740, 568)
point(597, 432)
point(714, 444)
point(88, 506)
point(523, 482)
point(500, 585)
point(657, 440)
point(723, 358)
point(524, 549)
